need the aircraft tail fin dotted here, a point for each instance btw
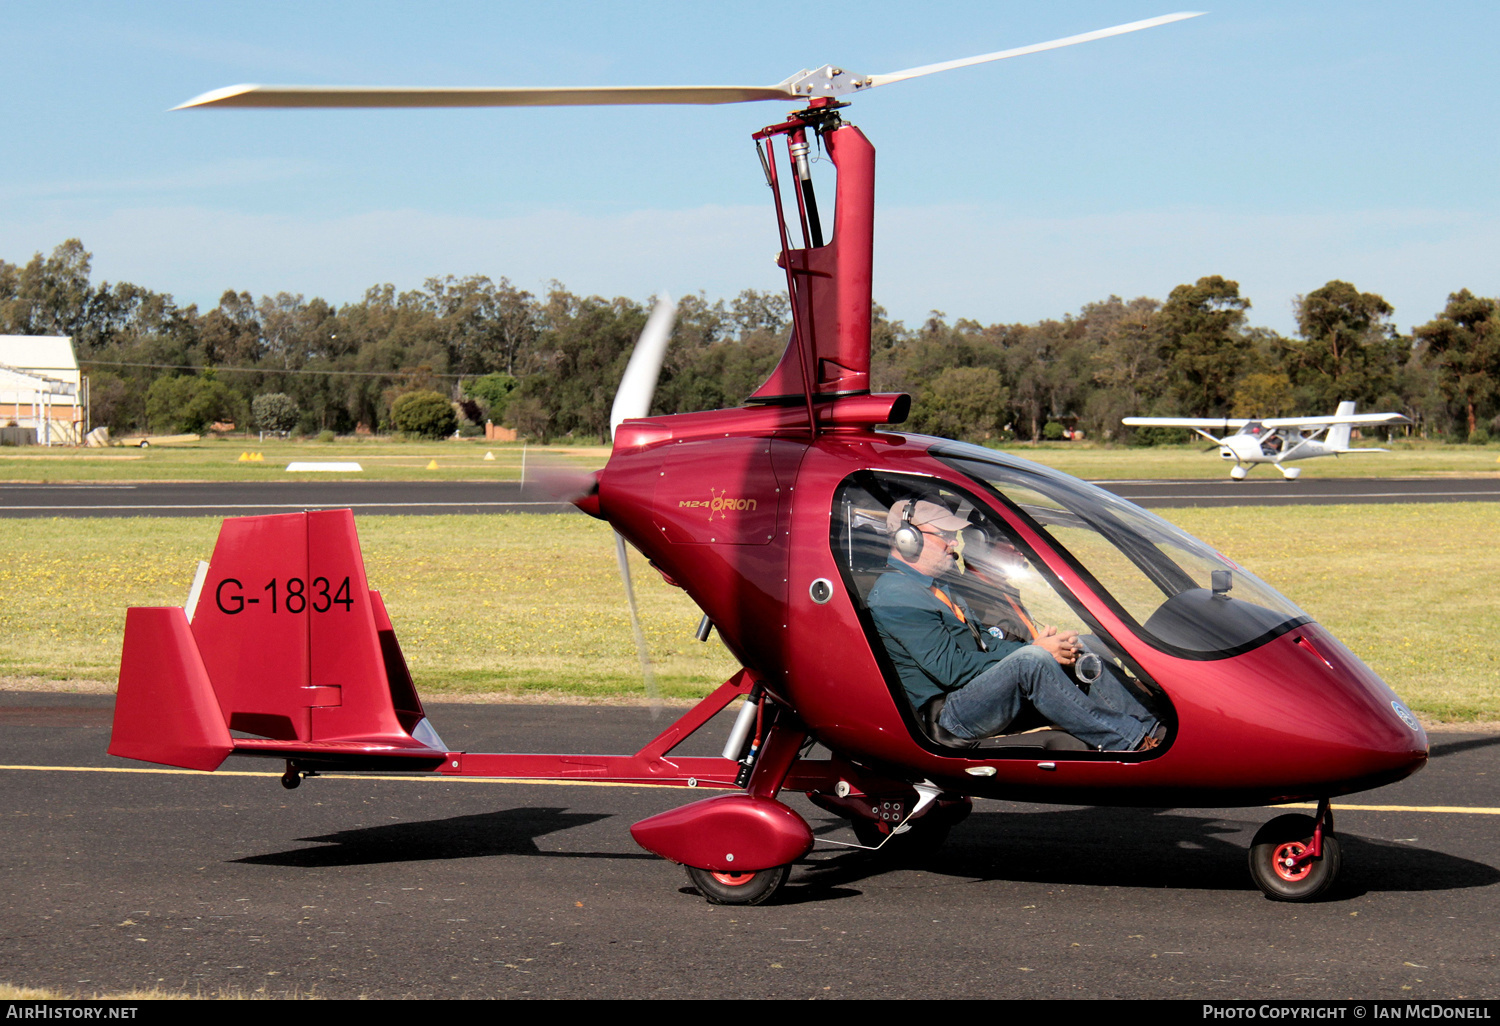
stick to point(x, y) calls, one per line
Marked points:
point(285, 653)
point(1338, 434)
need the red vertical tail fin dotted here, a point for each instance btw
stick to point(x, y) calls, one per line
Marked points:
point(287, 641)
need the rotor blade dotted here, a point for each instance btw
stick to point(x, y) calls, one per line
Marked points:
point(1087, 37)
point(421, 96)
point(826, 81)
point(638, 383)
point(653, 694)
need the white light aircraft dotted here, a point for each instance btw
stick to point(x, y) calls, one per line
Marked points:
point(1277, 440)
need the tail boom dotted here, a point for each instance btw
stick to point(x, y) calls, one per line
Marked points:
point(321, 681)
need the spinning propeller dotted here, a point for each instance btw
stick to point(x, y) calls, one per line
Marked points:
point(632, 400)
point(828, 81)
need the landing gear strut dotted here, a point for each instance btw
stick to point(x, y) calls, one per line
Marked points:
point(751, 829)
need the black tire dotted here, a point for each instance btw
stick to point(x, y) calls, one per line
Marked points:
point(1291, 835)
point(738, 888)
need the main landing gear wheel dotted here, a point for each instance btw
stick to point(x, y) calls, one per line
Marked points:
point(738, 888)
point(1274, 854)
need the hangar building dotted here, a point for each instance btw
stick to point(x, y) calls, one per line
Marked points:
point(43, 397)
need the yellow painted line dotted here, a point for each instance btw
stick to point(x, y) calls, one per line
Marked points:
point(1472, 810)
point(126, 769)
point(428, 777)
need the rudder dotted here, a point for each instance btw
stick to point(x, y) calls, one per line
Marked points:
point(1338, 435)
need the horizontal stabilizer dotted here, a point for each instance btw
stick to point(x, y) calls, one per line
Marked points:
point(165, 710)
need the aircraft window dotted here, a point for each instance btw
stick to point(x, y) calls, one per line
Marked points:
point(1159, 577)
point(1139, 592)
point(1008, 595)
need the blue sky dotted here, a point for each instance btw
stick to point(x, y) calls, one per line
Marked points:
point(1280, 144)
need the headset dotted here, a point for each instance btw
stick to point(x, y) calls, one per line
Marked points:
point(908, 540)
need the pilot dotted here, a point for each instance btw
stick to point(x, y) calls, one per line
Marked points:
point(975, 682)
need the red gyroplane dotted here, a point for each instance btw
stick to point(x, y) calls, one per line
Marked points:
point(774, 518)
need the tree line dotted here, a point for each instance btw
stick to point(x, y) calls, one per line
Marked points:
point(548, 365)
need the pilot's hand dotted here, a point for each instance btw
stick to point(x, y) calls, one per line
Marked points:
point(1063, 645)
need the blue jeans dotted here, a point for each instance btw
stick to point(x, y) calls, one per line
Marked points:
point(1107, 718)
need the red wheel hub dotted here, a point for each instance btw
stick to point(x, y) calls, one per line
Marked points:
point(733, 879)
point(1288, 861)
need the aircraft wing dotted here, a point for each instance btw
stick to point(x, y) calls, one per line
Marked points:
point(1215, 423)
point(1352, 419)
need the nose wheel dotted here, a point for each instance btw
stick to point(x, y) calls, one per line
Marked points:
point(1295, 857)
point(738, 888)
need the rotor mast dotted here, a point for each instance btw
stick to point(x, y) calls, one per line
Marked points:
point(828, 282)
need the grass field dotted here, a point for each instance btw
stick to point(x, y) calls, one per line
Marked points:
point(531, 607)
point(218, 459)
point(384, 459)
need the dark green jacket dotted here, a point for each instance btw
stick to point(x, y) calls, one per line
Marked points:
point(933, 650)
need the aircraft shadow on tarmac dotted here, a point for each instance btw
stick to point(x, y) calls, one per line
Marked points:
point(1095, 847)
point(1101, 847)
point(504, 832)
point(1442, 749)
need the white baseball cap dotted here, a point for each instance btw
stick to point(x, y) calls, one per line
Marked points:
point(925, 513)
